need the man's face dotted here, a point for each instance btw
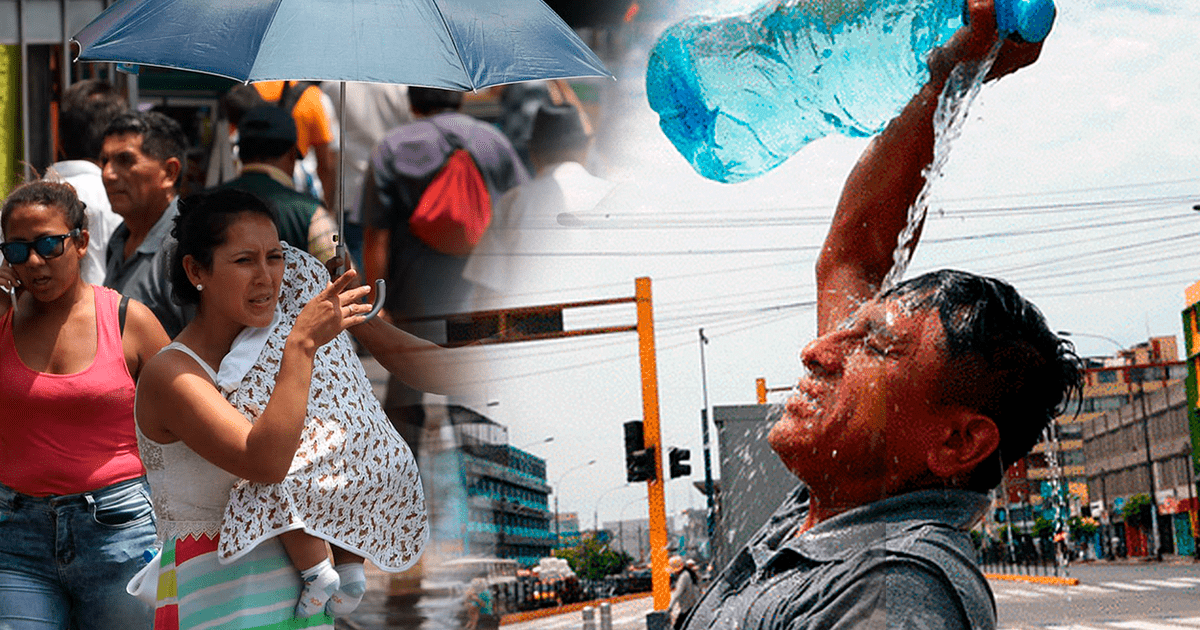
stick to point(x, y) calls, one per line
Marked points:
point(137, 184)
point(867, 410)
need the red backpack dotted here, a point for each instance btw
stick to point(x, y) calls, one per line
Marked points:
point(456, 208)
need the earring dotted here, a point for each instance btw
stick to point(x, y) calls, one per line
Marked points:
point(199, 287)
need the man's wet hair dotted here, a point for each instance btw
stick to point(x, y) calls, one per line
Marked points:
point(162, 136)
point(426, 101)
point(202, 226)
point(1002, 360)
point(88, 106)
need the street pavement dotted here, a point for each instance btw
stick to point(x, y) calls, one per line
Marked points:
point(627, 615)
point(1108, 597)
point(1145, 596)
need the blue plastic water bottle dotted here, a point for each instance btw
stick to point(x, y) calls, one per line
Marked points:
point(740, 95)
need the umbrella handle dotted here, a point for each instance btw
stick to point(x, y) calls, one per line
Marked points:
point(380, 293)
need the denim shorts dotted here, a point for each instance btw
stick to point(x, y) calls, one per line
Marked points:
point(65, 560)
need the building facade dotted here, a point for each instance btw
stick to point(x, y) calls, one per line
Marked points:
point(506, 507)
point(1120, 465)
point(1059, 460)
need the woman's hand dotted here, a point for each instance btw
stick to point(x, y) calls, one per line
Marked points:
point(330, 312)
point(10, 285)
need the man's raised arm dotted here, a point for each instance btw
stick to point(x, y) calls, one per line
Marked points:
point(889, 175)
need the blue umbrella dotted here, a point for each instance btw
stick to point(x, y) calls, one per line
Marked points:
point(450, 44)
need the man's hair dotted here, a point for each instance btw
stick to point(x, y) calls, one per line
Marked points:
point(1001, 360)
point(239, 100)
point(558, 134)
point(88, 107)
point(425, 101)
point(162, 137)
point(202, 226)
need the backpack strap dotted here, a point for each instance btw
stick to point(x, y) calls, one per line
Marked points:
point(292, 91)
point(121, 309)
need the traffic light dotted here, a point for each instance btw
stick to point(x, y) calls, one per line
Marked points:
point(679, 465)
point(639, 460)
point(999, 515)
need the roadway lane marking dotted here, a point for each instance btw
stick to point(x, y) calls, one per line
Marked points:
point(1072, 627)
point(1195, 621)
point(1149, 625)
point(1020, 592)
point(1184, 578)
point(1166, 583)
point(1087, 588)
point(1128, 587)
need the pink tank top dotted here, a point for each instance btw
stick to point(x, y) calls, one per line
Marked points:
point(69, 433)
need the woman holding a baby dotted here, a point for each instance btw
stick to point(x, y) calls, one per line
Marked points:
point(261, 438)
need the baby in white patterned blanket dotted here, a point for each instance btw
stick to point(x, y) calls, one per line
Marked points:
point(353, 482)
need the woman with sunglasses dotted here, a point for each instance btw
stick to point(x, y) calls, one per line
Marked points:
point(75, 513)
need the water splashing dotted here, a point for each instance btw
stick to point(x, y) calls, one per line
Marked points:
point(956, 98)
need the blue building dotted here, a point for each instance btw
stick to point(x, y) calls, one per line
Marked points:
point(506, 507)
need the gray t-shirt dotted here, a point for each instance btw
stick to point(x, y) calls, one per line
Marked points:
point(903, 562)
point(145, 276)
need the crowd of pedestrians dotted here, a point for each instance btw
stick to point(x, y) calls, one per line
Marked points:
point(173, 361)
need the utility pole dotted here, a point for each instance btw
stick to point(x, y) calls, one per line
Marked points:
point(708, 479)
point(1153, 548)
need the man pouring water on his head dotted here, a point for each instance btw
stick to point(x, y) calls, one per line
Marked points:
point(917, 398)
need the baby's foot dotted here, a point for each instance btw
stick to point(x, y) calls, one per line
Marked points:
point(353, 585)
point(320, 582)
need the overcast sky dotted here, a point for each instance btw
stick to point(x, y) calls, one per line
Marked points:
point(1073, 179)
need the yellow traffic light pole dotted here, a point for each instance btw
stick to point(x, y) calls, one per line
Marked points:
point(660, 580)
point(536, 323)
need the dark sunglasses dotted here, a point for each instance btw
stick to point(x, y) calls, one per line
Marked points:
point(17, 252)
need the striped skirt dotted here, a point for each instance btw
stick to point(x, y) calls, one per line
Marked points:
point(258, 591)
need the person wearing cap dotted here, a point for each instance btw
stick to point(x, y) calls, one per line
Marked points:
point(267, 148)
point(685, 588)
point(528, 220)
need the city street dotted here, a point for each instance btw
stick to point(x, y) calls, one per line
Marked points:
point(1131, 596)
point(630, 615)
point(1108, 597)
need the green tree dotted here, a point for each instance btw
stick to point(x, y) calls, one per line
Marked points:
point(1042, 527)
point(1137, 511)
point(592, 559)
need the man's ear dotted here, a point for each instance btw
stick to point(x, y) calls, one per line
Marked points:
point(174, 170)
point(966, 440)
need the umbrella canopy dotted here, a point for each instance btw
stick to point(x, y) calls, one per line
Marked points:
point(450, 44)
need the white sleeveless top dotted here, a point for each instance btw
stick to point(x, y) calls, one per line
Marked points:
point(189, 493)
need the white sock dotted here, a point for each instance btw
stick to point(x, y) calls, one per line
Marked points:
point(320, 582)
point(353, 580)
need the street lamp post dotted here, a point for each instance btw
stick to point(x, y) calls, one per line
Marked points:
point(708, 479)
point(1153, 548)
point(557, 487)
